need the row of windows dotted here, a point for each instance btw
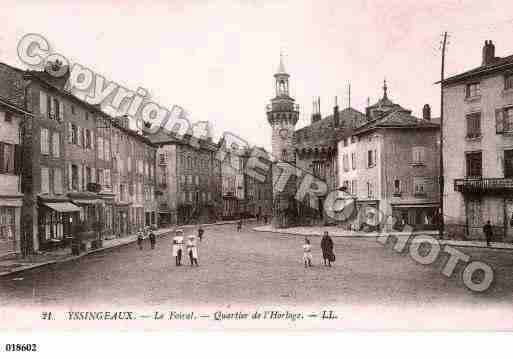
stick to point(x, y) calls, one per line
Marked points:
point(420, 186)
point(189, 179)
point(196, 196)
point(474, 89)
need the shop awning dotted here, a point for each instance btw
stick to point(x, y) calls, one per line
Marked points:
point(62, 207)
point(87, 201)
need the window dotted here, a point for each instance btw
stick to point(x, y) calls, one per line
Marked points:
point(508, 82)
point(57, 180)
point(43, 103)
point(88, 138)
point(7, 225)
point(73, 112)
point(508, 119)
point(419, 185)
point(45, 141)
point(99, 175)
point(371, 158)
point(45, 180)
point(74, 177)
point(7, 158)
point(369, 190)
point(107, 179)
point(88, 177)
point(473, 90)
point(354, 187)
point(56, 144)
point(397, 186)
point(353, 161)
point(474, 125)
point(73, 134)
point(182, 179)
point(196, 180)
point(162, 159)
point(474, 164)
point(189, 179)
point(508, 164)
point(418, 155)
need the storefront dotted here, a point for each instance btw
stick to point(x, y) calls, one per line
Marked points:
point(55, 223)
point(10, 210)
point(420, 216)
point(122, 218)
point(91, 205)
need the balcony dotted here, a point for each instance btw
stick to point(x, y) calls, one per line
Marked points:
point(483, 185)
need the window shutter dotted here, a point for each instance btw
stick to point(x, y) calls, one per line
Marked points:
point(499, 121)
point(52, 107)
point(61, 110)
point(70, 133)
point(79, 170)
point(79, 136)
point(70, 177)
point(43, 101)
point(18, 159)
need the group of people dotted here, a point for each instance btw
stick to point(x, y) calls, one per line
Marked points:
point(146, 234)
point(326, 247)
point(191, 245)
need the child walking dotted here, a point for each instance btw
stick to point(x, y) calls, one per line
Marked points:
point(177, 246)
point(192, 248)
point(307, 253)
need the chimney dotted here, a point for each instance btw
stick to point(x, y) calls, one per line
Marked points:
point(426, 113)
point(488, 52)
point(336, 115)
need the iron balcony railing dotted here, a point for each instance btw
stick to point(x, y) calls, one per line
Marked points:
point(481, 185)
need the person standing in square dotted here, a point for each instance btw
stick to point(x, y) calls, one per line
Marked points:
point(307, 253)
point(192, 249)
point(178, 246)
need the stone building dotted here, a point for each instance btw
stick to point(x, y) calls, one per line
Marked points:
point(188, 179)
point(258, 187)
point(68, 173)
point(478, 148)
point(313, 149)
point(233, 182)
point(389, 166)
point(12, 118)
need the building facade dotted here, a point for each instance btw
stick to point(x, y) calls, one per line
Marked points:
point(478, 148)
point(389, 166)
point(233, 182)
point(188, 180)
point(258, 186)
point(70, 172)
point(12, 119)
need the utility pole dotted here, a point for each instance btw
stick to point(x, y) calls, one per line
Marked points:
point(441, 179)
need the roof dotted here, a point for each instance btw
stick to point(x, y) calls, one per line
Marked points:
point(166, 137)
point(396, 118)
point(498, 64)
point(58, 84)
point(325, 132)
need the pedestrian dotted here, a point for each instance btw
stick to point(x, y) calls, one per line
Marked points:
point(488, 232)
point(258, 217)
point(200, 233)
point(327, 249)
point(192, 249)
point(153, 239)
point(140, 238)
point(265, 218)
point(307, 253)
point(239, 225)
point(178, 246)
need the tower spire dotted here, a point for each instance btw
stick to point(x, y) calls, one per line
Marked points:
point(385, 88)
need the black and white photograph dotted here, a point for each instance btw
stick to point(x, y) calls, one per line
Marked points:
point(233, 165)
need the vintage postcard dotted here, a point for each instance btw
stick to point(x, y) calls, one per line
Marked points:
point(256, 165)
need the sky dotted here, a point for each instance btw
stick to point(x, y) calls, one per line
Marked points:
point(217, 58)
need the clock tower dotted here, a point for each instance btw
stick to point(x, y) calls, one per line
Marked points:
point(283, 115)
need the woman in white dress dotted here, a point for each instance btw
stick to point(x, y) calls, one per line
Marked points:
point(178, 246)
point(192, 249)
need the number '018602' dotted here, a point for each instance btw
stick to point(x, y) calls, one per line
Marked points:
point(20, 347)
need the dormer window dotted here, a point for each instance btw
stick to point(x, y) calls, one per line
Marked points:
point(473, 90)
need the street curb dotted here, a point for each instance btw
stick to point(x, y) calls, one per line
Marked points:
point(369, 236)
point(132, 239)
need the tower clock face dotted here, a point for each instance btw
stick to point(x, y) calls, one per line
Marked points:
point(284, 133)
